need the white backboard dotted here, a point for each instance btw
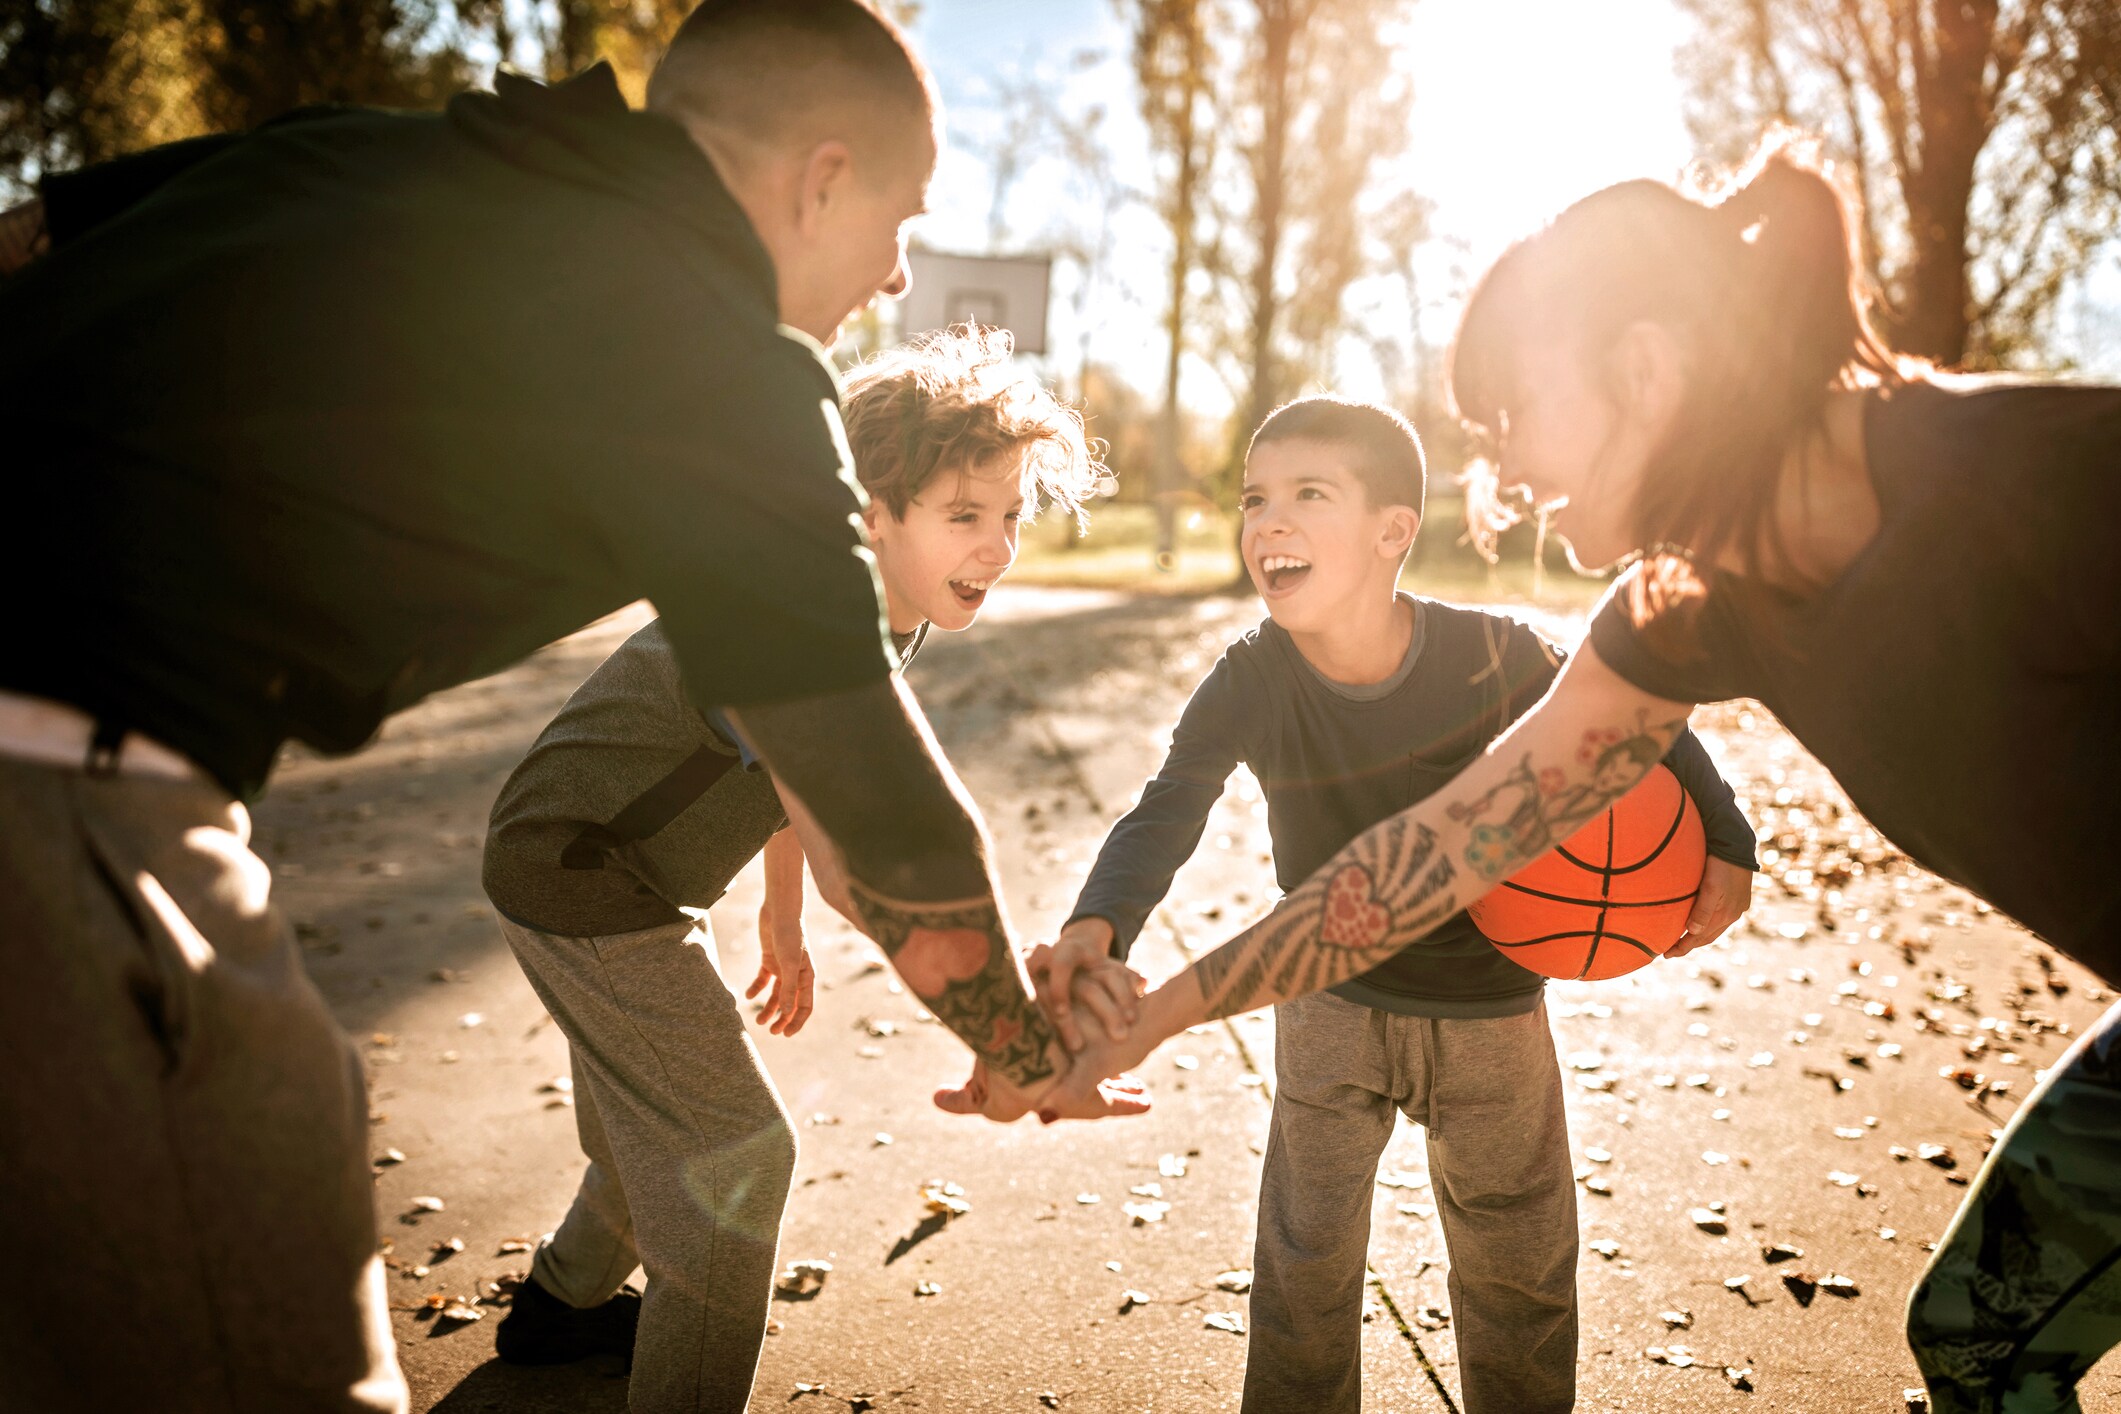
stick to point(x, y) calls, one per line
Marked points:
point(1003, 292)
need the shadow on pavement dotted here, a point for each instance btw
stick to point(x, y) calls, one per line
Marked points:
point(588, 1386)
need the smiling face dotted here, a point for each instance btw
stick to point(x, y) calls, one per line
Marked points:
point(942, 557)
point(1313, 544)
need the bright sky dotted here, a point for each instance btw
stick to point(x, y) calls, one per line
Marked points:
point(1520, 106)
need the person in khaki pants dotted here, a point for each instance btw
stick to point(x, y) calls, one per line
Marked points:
point(311, 422)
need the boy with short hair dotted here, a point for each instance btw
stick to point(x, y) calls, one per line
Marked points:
point(1350, 703)
point(634, 804)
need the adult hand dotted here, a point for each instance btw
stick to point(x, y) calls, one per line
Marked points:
point(784, 961)
point(1726, 893)
point(991, 1097)
point(1093, 1087)
point(1078, 969)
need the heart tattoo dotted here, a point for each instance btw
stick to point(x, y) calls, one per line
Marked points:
point(1354, 918)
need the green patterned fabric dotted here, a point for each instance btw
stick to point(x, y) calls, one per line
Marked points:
point(2024, 1293)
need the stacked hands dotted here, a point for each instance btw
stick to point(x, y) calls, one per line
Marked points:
point(1094, 1002)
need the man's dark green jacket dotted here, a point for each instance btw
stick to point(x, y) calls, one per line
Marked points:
point(307, 423)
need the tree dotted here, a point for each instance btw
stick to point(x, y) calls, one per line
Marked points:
point(1171, 69)
point(1983, 136)
point(84, 80)
point(257, 59)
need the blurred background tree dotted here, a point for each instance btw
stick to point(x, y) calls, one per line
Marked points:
point(1983, 136)
point(82, 80)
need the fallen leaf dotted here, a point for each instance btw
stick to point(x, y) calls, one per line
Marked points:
point(1740, 1379)
point(459, 1312)
point(1780, 1252)
point(1841, 1179)
point(1676, 1320)
point(1708, 1221)
point(1186, 1062)
point(945, 1199)
point(1237, 1280)
point(1677, 1356)
point(927, 1288)
point(1230, 1321)
point(1088, 1198)
point(1172, 1165)
point(1432, 1318)
point(390, 1156)
point(803, 1278)
point(1150, 1211)
point(1130, 1298)
point(1147, 1190)
point(1605, 1247)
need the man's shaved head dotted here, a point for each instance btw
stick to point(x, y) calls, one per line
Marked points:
point(788, 74)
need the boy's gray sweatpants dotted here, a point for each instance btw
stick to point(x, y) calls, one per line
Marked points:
point(1487, 1093)
point(690, 1157)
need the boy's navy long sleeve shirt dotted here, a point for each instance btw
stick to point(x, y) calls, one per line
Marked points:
point(1334, 760)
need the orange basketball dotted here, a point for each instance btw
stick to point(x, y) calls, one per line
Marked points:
point(1612, 897)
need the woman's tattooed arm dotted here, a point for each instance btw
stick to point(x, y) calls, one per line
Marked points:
point(1569, 759)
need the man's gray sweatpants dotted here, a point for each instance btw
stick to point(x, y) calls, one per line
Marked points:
point(690, 1157)
point(183, 1129)
point(1487, 1093)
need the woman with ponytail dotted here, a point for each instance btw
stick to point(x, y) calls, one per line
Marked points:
point(1919, 575)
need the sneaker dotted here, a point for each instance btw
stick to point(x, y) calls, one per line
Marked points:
point(541, 1329)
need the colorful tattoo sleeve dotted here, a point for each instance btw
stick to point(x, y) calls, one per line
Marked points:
point(1400, 879)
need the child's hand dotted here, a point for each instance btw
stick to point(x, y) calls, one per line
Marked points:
point(784, 959)
point(1726, 893)
point(1078, 969)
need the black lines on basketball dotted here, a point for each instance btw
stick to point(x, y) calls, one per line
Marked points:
point(1638, 865)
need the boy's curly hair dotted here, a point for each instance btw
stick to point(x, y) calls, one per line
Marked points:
point(948, 401)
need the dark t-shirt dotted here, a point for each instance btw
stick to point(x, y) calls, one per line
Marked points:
point(1960, 676)
point(332, 415)
point(1332, 761)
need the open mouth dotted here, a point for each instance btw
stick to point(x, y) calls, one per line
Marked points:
point(1283, 572)
point(971, 593)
